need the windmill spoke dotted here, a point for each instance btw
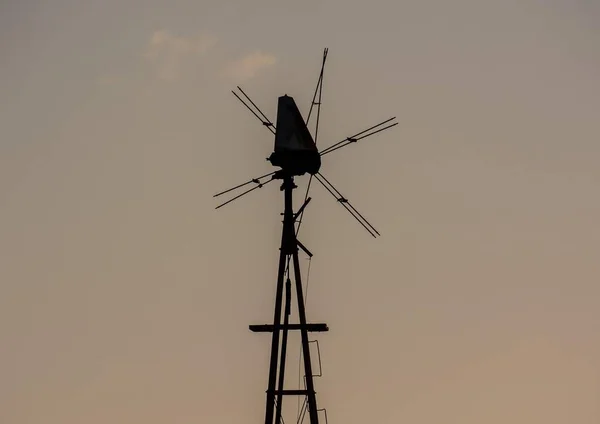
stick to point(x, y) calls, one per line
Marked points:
point(359, 136)
point(320, 96)
point(318, 92)
point(267, 120)
point(346, 204)
point(259, 185)
point(264, 120)
point(253, 180)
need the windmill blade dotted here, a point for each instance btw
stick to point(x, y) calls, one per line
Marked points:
point(359, 136)
point(346, 204)
point(264, 120)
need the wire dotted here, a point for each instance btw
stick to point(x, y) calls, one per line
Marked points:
point(316, 342)
point(325, 412)
point(307, 281)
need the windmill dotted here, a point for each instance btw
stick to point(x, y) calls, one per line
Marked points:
point(296, 154)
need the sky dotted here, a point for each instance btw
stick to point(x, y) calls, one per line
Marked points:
point(125, 297)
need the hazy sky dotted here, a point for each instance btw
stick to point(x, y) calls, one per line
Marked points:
point(125, 297)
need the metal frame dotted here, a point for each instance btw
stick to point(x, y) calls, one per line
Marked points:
point(288, 251)
point(289, 257)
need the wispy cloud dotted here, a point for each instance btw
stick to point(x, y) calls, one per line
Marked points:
point(169, 52)
point(249, 65)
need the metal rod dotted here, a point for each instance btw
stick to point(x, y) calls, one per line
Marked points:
point(304, 249)
point(353, 138)
point(312, 399)
point(301, 411)
point(320, 374)
point(363, 218)
point(360, 133)
point(345, 206)
point(267, 120)
point(286, 321)
point(304, 205)
point(266, 124)
point(237, 197)
point(378, 131)
point(320, 95)
point(253, 180)
point(244, 193)
point(325, 412)
point(374, 126)
point(280, 418)
point(268, 328)
point(318, 88)
point(305, 199)
point(319, 84)
point(312, 102)
point(286, 240)
point(293, 392)
point(349, 204)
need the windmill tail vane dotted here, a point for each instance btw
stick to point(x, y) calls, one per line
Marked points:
point(295, 151)
point(295, 154)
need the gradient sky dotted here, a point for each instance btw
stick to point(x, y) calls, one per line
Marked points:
point(125, 297)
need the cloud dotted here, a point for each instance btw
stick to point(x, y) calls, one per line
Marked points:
point(169, 52)
point(250, 65)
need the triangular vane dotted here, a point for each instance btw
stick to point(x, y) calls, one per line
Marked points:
point(295, 151)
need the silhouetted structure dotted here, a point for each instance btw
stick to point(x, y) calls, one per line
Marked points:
point(296, 154)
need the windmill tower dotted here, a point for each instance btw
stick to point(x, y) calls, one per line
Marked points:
point(295, 154)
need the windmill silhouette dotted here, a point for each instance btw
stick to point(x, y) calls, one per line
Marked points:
point(296, 154)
